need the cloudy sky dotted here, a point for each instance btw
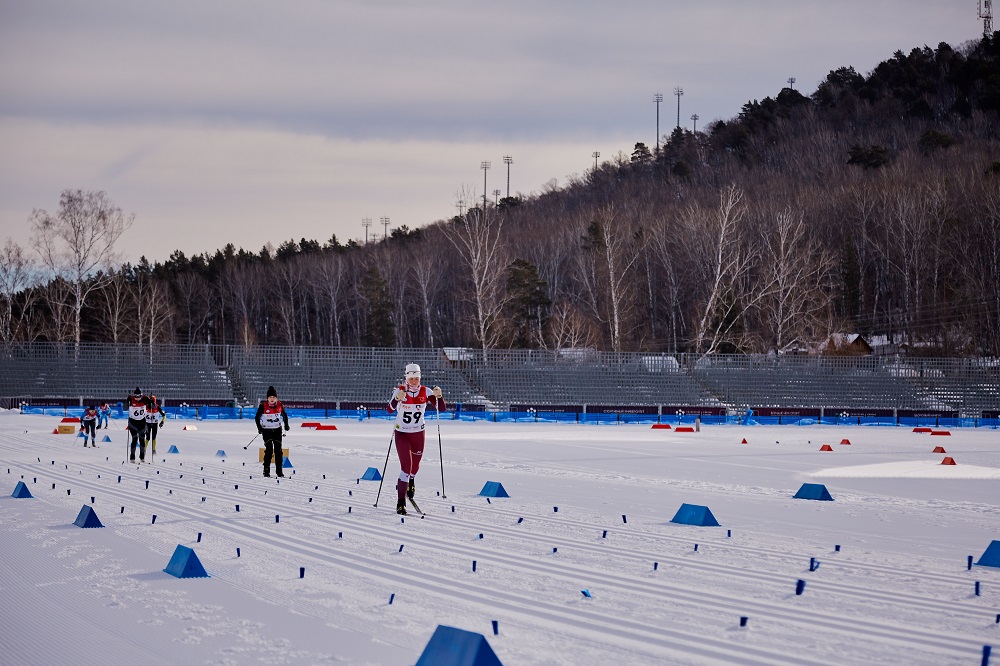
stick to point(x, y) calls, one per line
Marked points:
point(250, 122)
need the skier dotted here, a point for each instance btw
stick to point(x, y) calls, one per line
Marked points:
point(138, 404)
point(103, 413)
point(409, 401)
point(155, 418)
point(87, 422)
point(269, 417)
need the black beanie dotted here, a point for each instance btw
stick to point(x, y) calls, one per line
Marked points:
point(137, 391)
point(271, 391)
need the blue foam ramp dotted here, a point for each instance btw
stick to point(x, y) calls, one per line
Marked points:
point(184, 563)
point(21, 491)
point(371, 474)
point(220, 454)
point(172, 449)
point(87, 518)
point(814, 491)
point(695, 514)
point(493, 489)
point(991, 556)
point(106, 439)
point(286, 463)
point(81, 434)
point(456, 647)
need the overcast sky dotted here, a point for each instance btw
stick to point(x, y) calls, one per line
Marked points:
point(251, 122)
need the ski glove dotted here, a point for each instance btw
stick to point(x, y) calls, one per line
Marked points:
point(437, 392)
point(286, 427)
point(400, 395)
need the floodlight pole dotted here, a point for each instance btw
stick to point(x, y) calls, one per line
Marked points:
point(385, 226)
point(595, 155)
point(484, 165)
point(791, 82)
point(694, 118)
point(508, 160)
point(657, 98)
point(366, 222)
point(678, 91)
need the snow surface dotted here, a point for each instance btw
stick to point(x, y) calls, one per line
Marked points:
point(897, 592)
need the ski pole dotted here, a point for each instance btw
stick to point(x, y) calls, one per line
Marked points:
point(385, 467)
point(251, 441)
point(440, 454)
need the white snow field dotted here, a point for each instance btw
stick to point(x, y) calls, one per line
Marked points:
point(897, 592)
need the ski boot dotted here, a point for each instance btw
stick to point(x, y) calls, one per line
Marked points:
point(401, 507)
point(410, 489)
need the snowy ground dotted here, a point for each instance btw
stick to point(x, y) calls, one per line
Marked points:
point(897, 592)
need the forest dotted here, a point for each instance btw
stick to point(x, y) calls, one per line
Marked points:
point(870, 205)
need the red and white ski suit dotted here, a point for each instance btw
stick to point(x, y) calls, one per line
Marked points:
point(409, 435)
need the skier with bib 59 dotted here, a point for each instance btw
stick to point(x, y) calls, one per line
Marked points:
point(409, 401)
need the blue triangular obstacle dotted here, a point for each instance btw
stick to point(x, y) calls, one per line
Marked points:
point(493, 489)
point(172, 449)
point(87, 518)
point(695, 514)
point(220, 454)
point(106, 439)
point(21, 491)
point(456, 647)
point(814, 491)
point(185, 564)
point(991, 556)
point(286, 463)
point(372, 474)
point(81, 433)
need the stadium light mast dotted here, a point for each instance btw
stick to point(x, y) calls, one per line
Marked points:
point(657, 98)
point(484, 165)
point(508, 160)
point(385, 225)
point(986, 13)
point(678, 91)
point(595, 155)
point(694, 118)
point(366, 222)
point(496, 196)
point(791, 82)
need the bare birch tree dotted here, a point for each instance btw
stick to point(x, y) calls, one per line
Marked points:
point(17, 279)
point(79, 241)
point(481, 247)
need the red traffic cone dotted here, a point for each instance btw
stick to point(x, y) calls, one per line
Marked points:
point(826, 447)
point(949, 461)
point(55, 431)
point(845, 441)
point(939, 449)
point(744, 441)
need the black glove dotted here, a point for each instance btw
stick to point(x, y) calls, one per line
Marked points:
point(286, 427)
point(260, 431)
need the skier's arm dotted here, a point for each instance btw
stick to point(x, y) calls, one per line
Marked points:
point(284, 415)
point(439, 399)
point(398, 395)
point(260, 413)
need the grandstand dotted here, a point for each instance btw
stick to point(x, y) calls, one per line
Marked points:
point(497, 379)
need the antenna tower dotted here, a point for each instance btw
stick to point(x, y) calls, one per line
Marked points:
point(986, 13)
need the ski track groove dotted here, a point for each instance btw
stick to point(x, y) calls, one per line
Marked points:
point(515, 602)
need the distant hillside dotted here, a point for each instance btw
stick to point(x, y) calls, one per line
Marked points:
point(870, 205)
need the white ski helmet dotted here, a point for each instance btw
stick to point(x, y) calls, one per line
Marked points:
point(412, 370)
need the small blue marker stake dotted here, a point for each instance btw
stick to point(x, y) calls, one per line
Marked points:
point(624, 520)
point(310, 500)
point(696, 548)
point(520, 520)
point(837, 548)
point(496, 627)
point(743, 620)
point(147, 485)
point(401, 547)
point(800, 586)
point(555, 509)
point(604, 535)
point(199, 537)
point(453, 508)
point(237, 508)
point(119, 479)
point(813, 564)
point(123, 509)
point(340, 535)
point(969, 565)
point(587, 594)
point(480, 535)
point(656, 565)
point(402, 520)
point(488, 501)
point(237, 552)
point(473, 566)
point(391, 597)
point(154, 520)
point(348, 509)
point(978, 589)
point(277, 518)
point(729, 533)
point(986, 655)
point(302, 572)
point(555, 550)
point(91, 499)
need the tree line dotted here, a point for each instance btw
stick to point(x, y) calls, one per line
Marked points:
point(871, 205)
